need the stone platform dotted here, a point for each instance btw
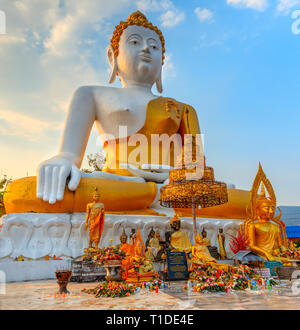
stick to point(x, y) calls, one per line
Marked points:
point(35, 236)
point(40, 295)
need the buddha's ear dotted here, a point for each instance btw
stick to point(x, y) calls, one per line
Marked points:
point(159, 83)
point(113, 64)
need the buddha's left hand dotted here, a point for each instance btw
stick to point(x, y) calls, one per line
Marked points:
point(158, 174)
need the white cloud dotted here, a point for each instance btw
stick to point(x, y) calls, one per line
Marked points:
point(16, 124)
point(51, 48)
point(259, 5)
point(154, 5)
point(172, 18)
point(171, 15)
point(203, 14)
point(285, 6)
point(168, 71)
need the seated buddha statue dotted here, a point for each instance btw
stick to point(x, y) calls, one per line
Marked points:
point(179, 240)
point(126, 118)
point(266, 233)
point(127, 248)
point(200, 252)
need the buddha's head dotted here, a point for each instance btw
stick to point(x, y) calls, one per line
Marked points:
point(175, 223)
point(96, 195)
point(123, 237)
point(157, 235)
point(136, 52)
point(198, 239)
point(265, 208)
point(152, 233)
point(204, 233)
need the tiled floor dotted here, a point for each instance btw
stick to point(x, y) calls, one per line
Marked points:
point(40, 295)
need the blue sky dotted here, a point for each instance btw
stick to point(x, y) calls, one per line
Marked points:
point(235, 61)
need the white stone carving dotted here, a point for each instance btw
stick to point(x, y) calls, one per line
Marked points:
point(35, 236)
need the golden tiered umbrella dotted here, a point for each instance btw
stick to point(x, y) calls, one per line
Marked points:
point(192, 184)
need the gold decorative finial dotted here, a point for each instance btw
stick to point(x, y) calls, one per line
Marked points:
point(262, 192)
point(139, 19)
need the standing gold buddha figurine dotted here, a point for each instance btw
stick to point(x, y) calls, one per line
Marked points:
point(95, 220)
point(221, 243)
point(266, 233)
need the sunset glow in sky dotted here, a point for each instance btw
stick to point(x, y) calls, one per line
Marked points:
point(235, 61)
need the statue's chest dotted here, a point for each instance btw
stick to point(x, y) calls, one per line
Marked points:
point(156, 116)
point(123, 114)
point(264, 230)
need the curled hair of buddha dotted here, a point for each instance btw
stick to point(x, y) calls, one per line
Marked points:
point(96, 193)
point(175, 218)
point(139, 19)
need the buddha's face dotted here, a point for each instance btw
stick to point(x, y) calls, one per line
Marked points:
point(140, 55)
point(265, 210)
point(176, 225)
point(198, 239)
point(123, 239)
point(96, 197)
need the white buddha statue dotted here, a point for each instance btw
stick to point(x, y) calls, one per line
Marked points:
point(128, 182)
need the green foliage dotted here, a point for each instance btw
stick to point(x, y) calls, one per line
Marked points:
point(3, 182)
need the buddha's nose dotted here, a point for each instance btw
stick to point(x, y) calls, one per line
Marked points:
point(146, 48)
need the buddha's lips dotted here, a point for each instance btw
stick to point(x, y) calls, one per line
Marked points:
point(146, 58)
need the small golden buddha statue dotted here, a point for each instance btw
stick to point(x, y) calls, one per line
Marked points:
point(200, 251)
point(95, 220)
point(221, 243)
point(179, 239)
point(154, 245)
point(205, 239)
point(127, 248)
point(266, 233)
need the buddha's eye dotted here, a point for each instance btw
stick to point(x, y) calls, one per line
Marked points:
point(134, 42)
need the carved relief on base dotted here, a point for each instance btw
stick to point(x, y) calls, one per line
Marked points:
point(35, 236)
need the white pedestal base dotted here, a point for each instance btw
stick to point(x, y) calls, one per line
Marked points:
point(19, 271)
point(34, 236)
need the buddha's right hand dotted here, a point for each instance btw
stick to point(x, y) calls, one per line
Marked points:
point(52, 177)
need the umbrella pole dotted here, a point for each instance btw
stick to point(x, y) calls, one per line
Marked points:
point(194, 219)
